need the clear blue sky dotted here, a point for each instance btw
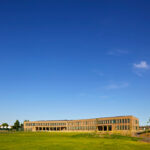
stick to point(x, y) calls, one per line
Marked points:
point(73, 59)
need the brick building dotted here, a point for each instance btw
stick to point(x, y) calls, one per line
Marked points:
point(120, 123)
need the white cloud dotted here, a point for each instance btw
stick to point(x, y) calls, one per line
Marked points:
point(117, 86)
point(118, 52)
point(140, 68)
point(141, 65)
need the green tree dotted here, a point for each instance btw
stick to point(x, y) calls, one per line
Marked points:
point(26, 120)
point(5, 125)
point(16, 125)
point(21, 125)
point(148, 122)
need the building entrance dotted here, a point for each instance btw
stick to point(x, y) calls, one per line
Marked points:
point(105, 128)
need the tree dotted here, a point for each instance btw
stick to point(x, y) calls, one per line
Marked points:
point(5, 125)
point(16, 125)
point(26, 121)
point(148, 121)
point(21, 125)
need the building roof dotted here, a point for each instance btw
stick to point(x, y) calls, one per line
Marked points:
point(81, 119)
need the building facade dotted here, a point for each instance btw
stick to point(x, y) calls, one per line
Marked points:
point(120, 123)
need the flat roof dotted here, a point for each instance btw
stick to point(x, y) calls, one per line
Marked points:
point(81, 119)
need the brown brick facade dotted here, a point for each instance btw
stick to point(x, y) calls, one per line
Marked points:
point(121, 123)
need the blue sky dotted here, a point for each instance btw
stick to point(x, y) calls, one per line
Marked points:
point(73, 59)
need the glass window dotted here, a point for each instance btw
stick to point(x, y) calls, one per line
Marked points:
point(117, 127)
point(120, 127)
point(128, 127)
point(114, 121)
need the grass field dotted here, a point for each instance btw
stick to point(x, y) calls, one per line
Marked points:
point(68, 141)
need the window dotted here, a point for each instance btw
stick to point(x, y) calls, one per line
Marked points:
point(117, 127)
point(128, 127)
point(114, 121)
point(128, 120)
point(120, 127)
point(136, 121)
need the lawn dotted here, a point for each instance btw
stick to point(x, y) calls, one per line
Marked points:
point(68, 141)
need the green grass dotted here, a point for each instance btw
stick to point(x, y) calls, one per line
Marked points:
point(68, 141)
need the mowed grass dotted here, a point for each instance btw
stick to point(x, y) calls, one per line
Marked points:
point(68, 141)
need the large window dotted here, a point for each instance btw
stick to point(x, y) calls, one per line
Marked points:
point(114, 121)
point(128, 120)
point(117, 127)
point(136, 121)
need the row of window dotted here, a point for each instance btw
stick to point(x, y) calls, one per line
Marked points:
point(114, 121)
point(82, 123)
point(123, 127)
point(82, 128)
point(45, 124)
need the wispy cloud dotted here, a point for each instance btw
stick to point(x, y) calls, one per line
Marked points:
point(141, 65)
point(140, 68)
point(117, 52)
point(117, 86)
